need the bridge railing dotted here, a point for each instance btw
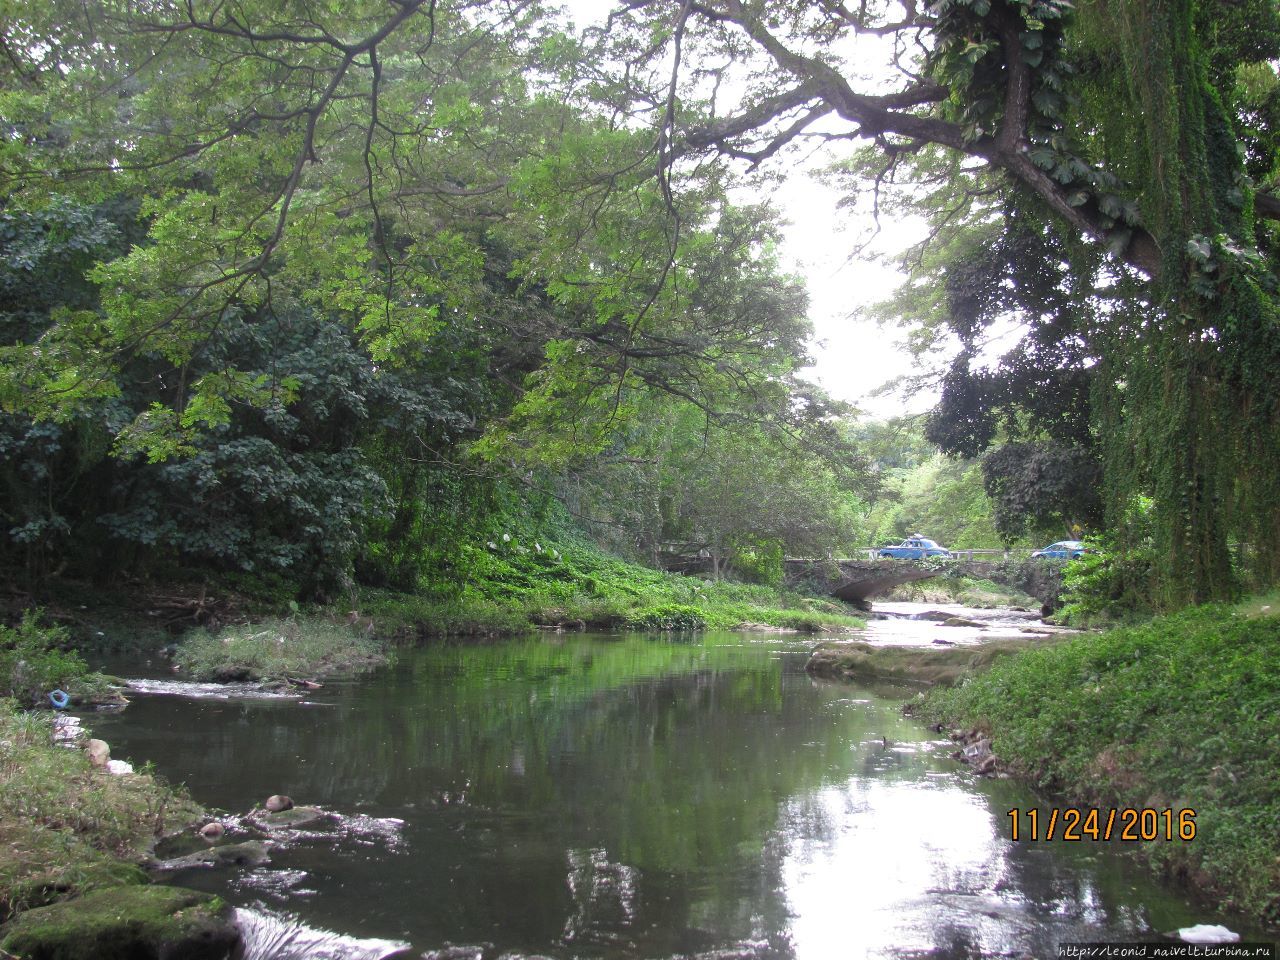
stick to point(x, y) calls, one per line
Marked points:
point(873, 553)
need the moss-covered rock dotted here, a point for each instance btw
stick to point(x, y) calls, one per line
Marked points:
point(295, 818)
point(126, 923)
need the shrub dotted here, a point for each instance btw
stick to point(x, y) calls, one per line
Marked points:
point(1108, 583)
point(34, 661)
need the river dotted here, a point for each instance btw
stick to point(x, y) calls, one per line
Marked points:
point(628, 796)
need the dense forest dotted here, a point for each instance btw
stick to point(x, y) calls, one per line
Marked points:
point(319, 296)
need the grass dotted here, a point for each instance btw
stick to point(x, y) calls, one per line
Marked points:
point(1181, 712)
point(279, 649)
point(66, 826)
point(508, 588)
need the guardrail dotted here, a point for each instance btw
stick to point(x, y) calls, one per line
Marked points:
point(873, 553)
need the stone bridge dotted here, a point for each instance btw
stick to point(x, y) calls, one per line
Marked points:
point(857, 581)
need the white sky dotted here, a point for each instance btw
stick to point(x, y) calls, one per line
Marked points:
point(853, 355)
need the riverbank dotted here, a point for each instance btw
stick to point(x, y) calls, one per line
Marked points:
point(1182, 713)
point(68, 826)
point(509, 593)
point(977, 592)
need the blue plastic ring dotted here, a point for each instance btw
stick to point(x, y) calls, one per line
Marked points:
point(59, 699)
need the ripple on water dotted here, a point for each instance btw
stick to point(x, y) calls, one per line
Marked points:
point(209, 691)
point(277, 884)
point(275, 935)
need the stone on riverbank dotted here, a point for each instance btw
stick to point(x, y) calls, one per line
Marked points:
point(98, 751)
point(123, 923)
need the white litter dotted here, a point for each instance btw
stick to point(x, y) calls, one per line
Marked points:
point(66, 730)
point(119, 767)
point(1208, 933)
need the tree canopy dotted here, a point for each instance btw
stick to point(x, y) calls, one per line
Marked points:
point(512, 242)
point(1145, 128)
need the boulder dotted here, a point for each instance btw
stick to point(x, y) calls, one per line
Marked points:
point(278, 802)
point(123, 923)
point(937, 616)
point(295, 818)
point(961, 622)
point(212, 831)
point(251, 853)
point(99, 752)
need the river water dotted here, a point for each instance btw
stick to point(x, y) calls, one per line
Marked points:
point(628, 796)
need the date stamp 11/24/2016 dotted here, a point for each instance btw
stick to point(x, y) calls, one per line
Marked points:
point(1096, 823)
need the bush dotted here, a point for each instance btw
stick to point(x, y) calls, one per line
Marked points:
point(33, 661)
point(672, 616)
point(1108, 583)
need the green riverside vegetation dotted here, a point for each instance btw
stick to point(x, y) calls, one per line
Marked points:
point(66, 826)
point(1182, 712)
point(294, 648)
point(512, 587)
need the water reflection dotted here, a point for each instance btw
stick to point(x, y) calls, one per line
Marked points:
point(635, 797)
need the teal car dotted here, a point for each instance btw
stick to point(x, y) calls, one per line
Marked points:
point(914, 548)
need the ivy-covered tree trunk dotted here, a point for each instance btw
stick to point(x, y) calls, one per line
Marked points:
point(1200, 423)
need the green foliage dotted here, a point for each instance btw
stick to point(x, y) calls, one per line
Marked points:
point(514, 584)
point(35, 660)
point(1108, 583)
point(940, 497)
point(278, 649)
point(297, 312)
point(666, 617)
point(1044, 489)
point(1179, 712)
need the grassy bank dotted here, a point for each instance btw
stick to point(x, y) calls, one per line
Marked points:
point(509, 587)
point(1182, 712)
point(280, 649)
point(509, 590)
point(66, 826)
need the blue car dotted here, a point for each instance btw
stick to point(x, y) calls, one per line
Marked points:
point(914, 548)
point(1062, 550)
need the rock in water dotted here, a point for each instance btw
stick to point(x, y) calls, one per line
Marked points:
point(212, 831)
point(295, 818)
point(278, 802)
point(251, 853)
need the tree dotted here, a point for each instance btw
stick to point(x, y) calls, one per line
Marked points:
point(1123, 126)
